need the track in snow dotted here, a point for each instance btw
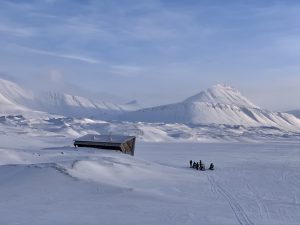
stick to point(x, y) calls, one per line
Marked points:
point(238, 210)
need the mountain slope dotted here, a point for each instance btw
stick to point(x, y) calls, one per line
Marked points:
point(222, 94)
point(218, 105)
point(14, 98)
point(71, 105)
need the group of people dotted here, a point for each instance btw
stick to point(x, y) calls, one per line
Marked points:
point(200, 166)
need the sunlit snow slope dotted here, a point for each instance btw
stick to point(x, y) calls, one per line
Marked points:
point(15, 99)
point(220, 104)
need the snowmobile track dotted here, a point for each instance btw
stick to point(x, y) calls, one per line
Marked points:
point(238, 210)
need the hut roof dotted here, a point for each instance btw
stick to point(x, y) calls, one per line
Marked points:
point(104, 138)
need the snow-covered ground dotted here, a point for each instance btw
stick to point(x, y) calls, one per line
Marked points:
point(44, 180)
point(45, 125)
point(252, 184)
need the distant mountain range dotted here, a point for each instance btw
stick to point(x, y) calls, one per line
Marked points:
point(14, 98)
point(220, 104)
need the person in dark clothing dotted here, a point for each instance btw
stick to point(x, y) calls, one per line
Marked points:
point(202, 167)
point(200, 163)
point(194, 165)
point(212, 166)
point(197, 166)
point(191, 163)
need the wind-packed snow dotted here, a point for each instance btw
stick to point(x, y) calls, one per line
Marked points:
point(43, 181)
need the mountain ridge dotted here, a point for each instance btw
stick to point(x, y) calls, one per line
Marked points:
point(220, 104)
point(15, 99)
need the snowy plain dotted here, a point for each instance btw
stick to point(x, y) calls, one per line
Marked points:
point(44, 180)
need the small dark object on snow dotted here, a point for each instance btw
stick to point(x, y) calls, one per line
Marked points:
point(200, 163)
point(194, 165)
point(211, 167)
point(197, 166)
point(191, 163)
point(202, 167)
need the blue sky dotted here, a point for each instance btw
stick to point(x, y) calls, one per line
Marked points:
point(155, 51)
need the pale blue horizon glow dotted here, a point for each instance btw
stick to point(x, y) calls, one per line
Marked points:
point(155, 51)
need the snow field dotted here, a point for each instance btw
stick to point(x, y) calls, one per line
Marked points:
point(252, 184)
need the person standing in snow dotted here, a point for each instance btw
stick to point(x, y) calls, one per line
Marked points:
point(197, 166)
point(202, 167)
point(194, 165)
point(211, 167)
point(191, 163)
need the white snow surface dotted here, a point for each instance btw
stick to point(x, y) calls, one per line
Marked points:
point(44, 180)
point(222, 94)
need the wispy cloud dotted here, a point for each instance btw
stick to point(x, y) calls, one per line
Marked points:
point(62, 55)
point(164, 43)
point(16, 31)
point(126, 70)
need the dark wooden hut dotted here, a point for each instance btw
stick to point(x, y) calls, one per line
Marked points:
point(125, 144)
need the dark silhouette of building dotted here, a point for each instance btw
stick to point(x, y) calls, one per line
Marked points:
point(125, 144)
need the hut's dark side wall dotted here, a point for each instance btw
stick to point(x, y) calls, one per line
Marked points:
point(128, 146)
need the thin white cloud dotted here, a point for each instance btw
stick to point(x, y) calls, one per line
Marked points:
point(126, 70)
point(62, 55)
point(16, 31)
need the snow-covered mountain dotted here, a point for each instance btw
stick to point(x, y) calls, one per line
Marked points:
point(15, 99)
point(220, 104)
point(71, 105)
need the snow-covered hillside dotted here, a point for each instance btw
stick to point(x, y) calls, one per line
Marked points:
point(218, 105)
point(15, 99)
point(77, 106)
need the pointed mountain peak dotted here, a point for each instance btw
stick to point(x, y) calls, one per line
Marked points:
point(223, 94)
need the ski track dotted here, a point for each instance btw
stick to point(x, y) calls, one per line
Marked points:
point(262, 207)
point(238, 210)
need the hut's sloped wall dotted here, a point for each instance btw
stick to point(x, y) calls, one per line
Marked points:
point(128, 146)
